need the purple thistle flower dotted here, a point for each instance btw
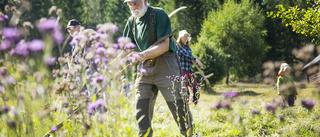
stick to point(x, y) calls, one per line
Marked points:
point(98, 78)
point(73, 42)
point(36, 45)
point(5, 109)
point(3, 72)
point(54, 129)
point(116, 46)
point(6, 16)
point(217, 105)
point(99, 44)
point(97, 59)
point(255, 112)
point(122, 40)
point(3, 18)
point(48, 24)
point(51, 61)
point(98, 103)
point(101, 50)
point(91, 107)
point(143, 71)
point(58, 36)
point(21, 49)
point(105, 60)
point(84, 93)
point(10, 33)
point(114, 28)
point(1, 89)
point(5, 44)
point(308, 104)
point(229, 94)
point(225, 104)
point(129, 45)
point(271, 107)
point(101, 35)
point(8, 80)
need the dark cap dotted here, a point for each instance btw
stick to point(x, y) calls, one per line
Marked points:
point(73, 22)
point(130, 1)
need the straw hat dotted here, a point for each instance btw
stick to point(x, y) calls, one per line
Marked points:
point(182, 33)
point(283, 68)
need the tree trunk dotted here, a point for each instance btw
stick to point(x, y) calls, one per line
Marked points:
point(227, 78)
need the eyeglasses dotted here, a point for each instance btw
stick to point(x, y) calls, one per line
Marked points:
point(70, 28)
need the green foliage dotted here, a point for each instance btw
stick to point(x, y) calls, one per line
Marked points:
point(281, 38)
point(302, 20)
point(192, 17)
point(237, 30)
point(212, 59)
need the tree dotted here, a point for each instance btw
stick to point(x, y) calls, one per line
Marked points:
point(238, 31)
point(191, 18)
point(281, 39)
point(303, 20)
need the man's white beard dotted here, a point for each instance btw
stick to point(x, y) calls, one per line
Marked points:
point(141, 12)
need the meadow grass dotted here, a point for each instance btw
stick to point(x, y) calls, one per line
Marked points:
point(239, 120)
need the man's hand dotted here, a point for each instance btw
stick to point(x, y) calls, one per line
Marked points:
point(199, 62)
point(135, 57)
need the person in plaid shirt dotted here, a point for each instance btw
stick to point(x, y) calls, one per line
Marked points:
point(186, 58)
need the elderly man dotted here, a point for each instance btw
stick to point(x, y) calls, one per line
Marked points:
point(160, 65)
point(74, 28)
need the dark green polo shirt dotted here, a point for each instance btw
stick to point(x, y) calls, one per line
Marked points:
point(161, 27)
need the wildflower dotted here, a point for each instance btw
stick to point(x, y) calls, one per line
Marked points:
point(8, 80)
point(101, 50)
point(5, 109)
point(10, 33)
point(91, 107)
point(1, 89)
point(122, 40)
point(143, 71)
point(73, 42)
point(98, 103)
point(58, 36)
point(255, 112)
point(21, 49)
point(107, 27)
point(225, 104)
point(308, 104)
point(105, 59)
point(99, 44)
point(5, 44)
point(98, 78)
point(36, 45)
point(100, 119)
point(84, 93)
point(54, 129)
point(116, 46)
point(129, 45)
point(28, 25)
point(97, 59)
point(216, 105)
point(114, 28)
point(3, 18)
point(101, 36)
point(229, 94)
point(48, 24)
point(271, 107)
point(51, 61)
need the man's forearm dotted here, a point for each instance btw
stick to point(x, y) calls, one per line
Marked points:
point(155, 50)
